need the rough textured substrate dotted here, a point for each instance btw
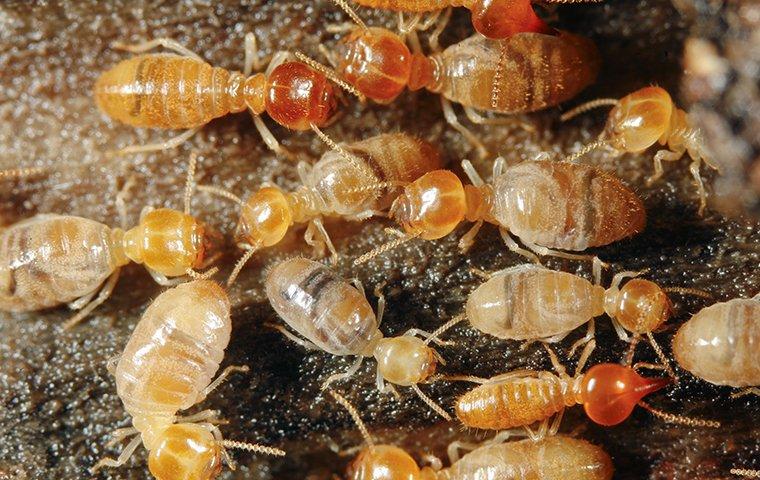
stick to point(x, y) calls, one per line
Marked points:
point(58, 402)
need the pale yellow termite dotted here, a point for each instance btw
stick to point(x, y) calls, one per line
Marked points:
point(354, 181)
point(555, 457)
point(49, 260)
point(336, 318)
point(168, 365)
point(721, 344)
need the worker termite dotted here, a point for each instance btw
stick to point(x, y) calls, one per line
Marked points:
point(528, 72)
point(494, 19)
point(719, 344)
point(607, 391)
point(167, 366)
point(355, 182)
point(336, 318)
point(549, 458)
point(531, 302)
point(51, 259)
point(589, 208)
point(642, 119)
point(184, 92)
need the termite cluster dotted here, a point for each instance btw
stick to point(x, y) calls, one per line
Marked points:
point(514, 63)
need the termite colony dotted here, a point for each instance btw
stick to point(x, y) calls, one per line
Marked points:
point(514, 63)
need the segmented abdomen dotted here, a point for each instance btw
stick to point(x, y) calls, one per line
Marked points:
point(539, 71)
point(556, 457)
point(51, 259)
point(167, 91)
point(349, 190)
point(721, 343)
point(413, 5)
point(514, 402)
point(175, 350)
point(322, 307)
point(565, 205)
point(533, 303)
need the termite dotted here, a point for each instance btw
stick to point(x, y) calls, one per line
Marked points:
point(531, 302)
point(549, 458)
point(642, 119)
point(167, 366)
point(354, 181)
point(525, 73)
point(49, 259)
point(182, 91)
point(719, 344)
point(336, 318)
point(546, 204)
point(608, 392)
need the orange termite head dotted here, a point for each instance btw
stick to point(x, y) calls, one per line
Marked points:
point(294, 95)
point(264, 218)
point(640, 120)
point(641, 306)
point(610, 392)
point(432, 206)
point(386, 462)
point(404, 360)
point(185, 450)
point(167, 241)
point(500, 19)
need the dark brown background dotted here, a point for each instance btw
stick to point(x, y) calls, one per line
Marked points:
point(58, 404)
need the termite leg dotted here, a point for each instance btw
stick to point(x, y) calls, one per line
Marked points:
point(426, 335)
point(269, 138)
point(207, 416)
point(105, 292)
point(499, 166)
point(223, 376)
point(451, 119)
point(120, 434)
point(167, 43)
point(122, 459)
point(454, 447)
point(468, 239)
point(590, 333)
point(746, 391)
point(543, 251)
point(163, 280)
point(472, 173)
point(80, 302)
point(435, 35)
point(585, 354)
point(155, 147)
point(384, 388)
point(621, 333)
point(300, 341)
point(477, 118)
point(555, 361)
point(329, 55)
point(121, 201)
point(111, 364)
point(659, 157)
point(253, 62)
point(337, 377)
point(512, 245)
point(317, 222)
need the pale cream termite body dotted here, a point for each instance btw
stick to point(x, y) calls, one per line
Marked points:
point(336, 318)
point(721, 343)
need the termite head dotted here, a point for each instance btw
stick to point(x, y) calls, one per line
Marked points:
point(294, 95)
point(640, 120)
point(641, 306)
point(167, 241)
point(432, 206)
point(404, 360)
point(609, 392)
point(386, 462)
point(500, 19)
point(264, 218)
point(185, 450)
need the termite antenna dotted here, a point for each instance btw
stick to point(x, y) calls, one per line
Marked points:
point(340, 150)
point(201, 276)
point(331, 74)
point(24, 172)
point(585, 107)
point(354, 415)
point(689, 291)
point(745, 472)
point(190, 182)
point(437, 332)
point(351, 13)
point(590, 147)
point(663, 358)
point(431, 403)
point(240, 264)
point(678, 419)
point(746, 391)
point(219, 192)
point(252, 447)
point(383, 248)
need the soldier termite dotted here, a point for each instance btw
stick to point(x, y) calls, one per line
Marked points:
point(719, 344)
point(494, 19)
point(588, 208)
point(167, 366)
point(607, 391)
point(354, 188)
point(528, 72)
point(336, 318)
point(530, 302)
point(184, 92)
point(550, 458)
point(48, 260)
point(642, 119)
